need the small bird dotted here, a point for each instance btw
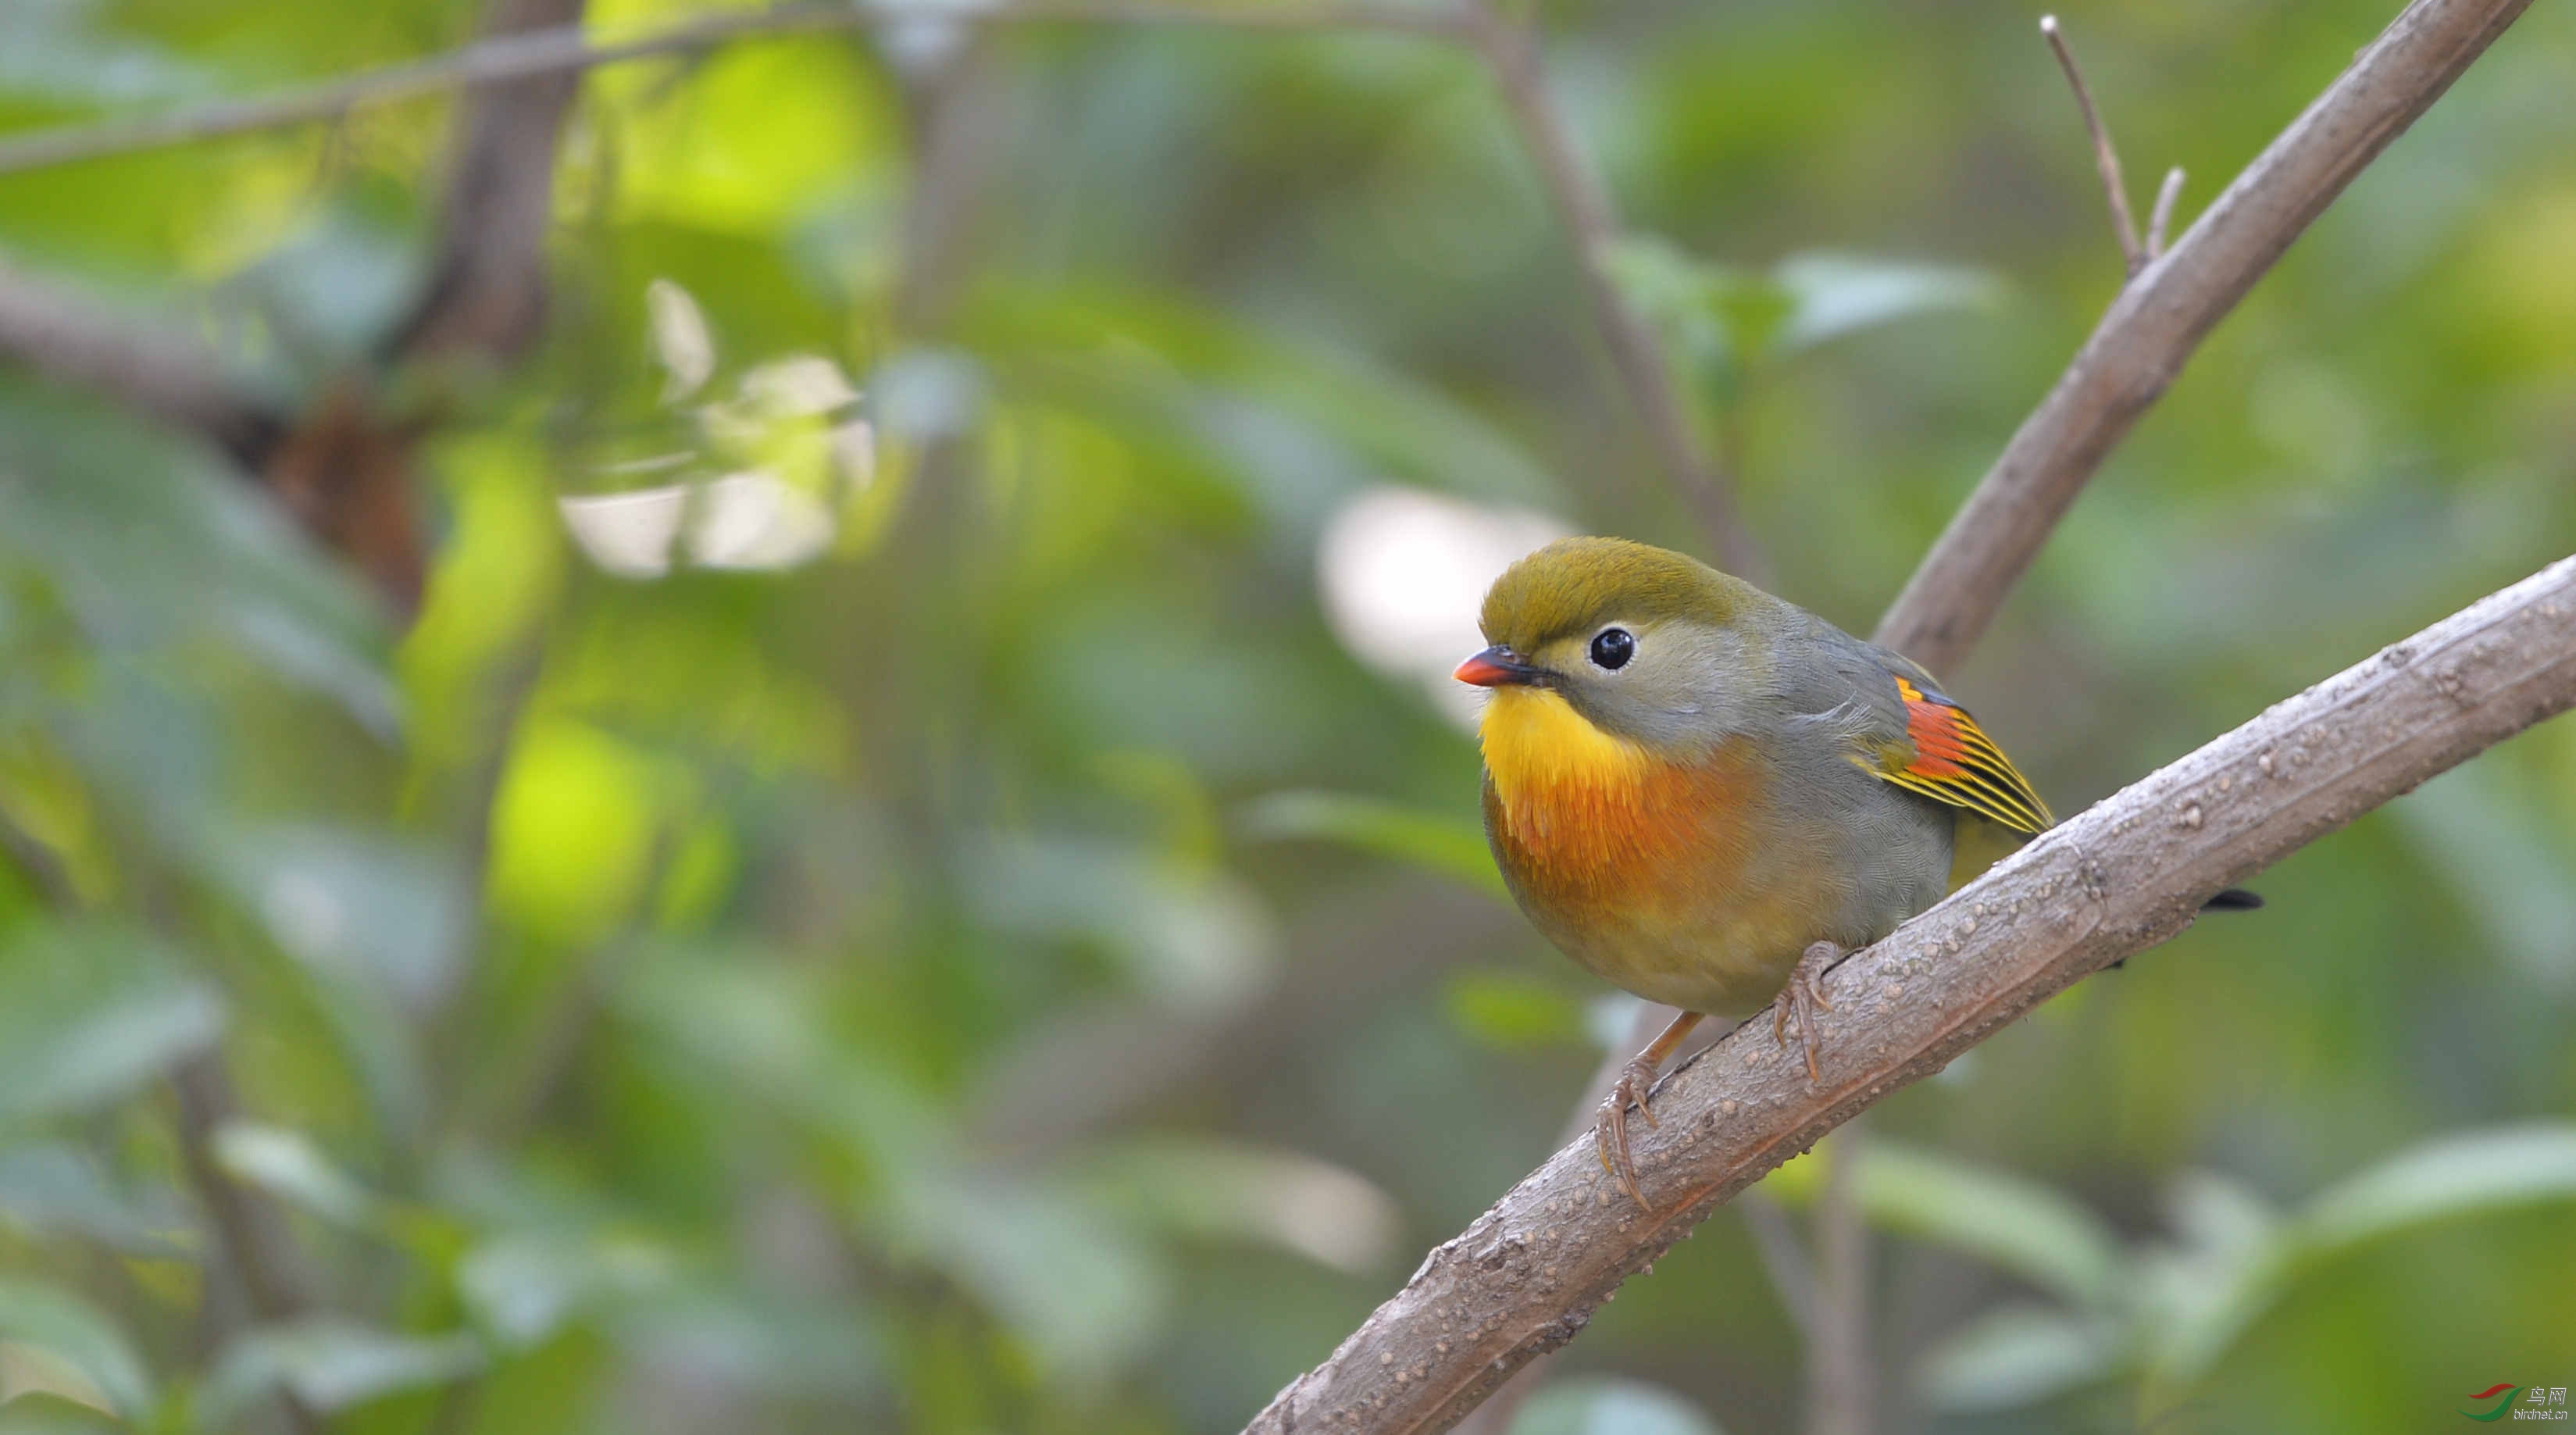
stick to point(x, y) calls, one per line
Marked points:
point(1708, 796)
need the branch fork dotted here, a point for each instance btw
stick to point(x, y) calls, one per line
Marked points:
point(2138, 253)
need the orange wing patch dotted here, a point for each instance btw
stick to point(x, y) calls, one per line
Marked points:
point(1955, 762)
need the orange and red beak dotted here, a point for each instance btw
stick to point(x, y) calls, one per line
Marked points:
point(1497, 667)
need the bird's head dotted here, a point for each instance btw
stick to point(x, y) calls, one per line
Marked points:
point(1647, 646)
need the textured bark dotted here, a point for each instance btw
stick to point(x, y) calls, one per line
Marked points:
point(2156, 323)
point(2114, 880)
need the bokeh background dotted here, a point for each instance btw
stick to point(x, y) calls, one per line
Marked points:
point(914, 871)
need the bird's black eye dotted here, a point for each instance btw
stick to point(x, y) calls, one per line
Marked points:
point(1613, 647)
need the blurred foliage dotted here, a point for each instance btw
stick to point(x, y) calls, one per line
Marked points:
point(872, 896)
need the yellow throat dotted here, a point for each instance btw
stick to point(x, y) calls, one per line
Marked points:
point(1540, 750)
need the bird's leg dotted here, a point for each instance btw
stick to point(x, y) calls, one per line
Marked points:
point(1803, 996)
point(1636, 1081)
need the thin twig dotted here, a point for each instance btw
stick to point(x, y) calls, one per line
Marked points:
point(2156, 322)
point(2161, 220)
point(1953, 595)
point(540, 52)
point(2106, 160)
point(1582, 205)
point(1526, 1276)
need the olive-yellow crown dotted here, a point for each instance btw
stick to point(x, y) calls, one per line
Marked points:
point(1574, 585)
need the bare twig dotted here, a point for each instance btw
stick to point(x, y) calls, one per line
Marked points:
point(1775, 1239)
point(2114, 880)
point(2160, 222)
point(567, 48)
point(2106, 158)
point(2156, 322)
point(487, 283)
point(74, 340)
point(1582, 205)
point(1947, 604)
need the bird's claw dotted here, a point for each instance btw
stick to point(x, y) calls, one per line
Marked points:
point(1610, 1128)
point(1805, 997)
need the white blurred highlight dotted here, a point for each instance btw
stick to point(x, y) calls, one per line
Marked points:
point(681, 339)
point(628, 534)
point(743, 521)
point(1403, 572)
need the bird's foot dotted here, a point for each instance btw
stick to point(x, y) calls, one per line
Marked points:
point(1610, 1128)
point(1804, 997)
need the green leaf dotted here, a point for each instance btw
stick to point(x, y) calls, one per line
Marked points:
point(88, 1012)
point(2490, 835)
point(51, 1187)
point(2013, 1357)
point(1402, 429)
point(331, 1364)
point(759, 1030)
point(1601, 1405)
point(1227, 1190)
point(1832, 295)
point(44, 1413)
point(2018, 1225)
point(2444, 1180)
point(1197, 940)
point(524, 1287)
point(1672, 289)
point(757, 1347)
point(287, 1163)
point(1081, 1289)
point(83, 1336)
point(371, 906)
point(2209, 1303)
point(1450, 846)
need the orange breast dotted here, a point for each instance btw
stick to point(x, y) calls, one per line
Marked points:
point(1673, 880)
point(1592, 825)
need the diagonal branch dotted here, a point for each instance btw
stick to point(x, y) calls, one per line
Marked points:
point(2128, 873)
point(565, 49)
point(2161, 317)
point(1582, 205)
point(74, 340)
point(1946, 606)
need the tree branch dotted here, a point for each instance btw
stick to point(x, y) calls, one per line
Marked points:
point(567, 49)
point(2161, 317)
point(1951, 597)
point(2114, 880)
point(487, 284)
point(74, 340)
point(1582, 206)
